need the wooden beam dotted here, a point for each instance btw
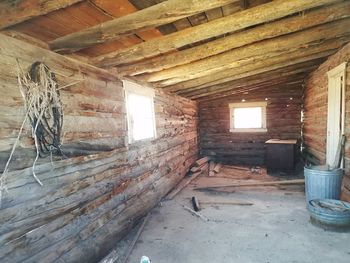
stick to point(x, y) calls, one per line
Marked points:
point(14, 12)
point(153, 16)
point(294, 80)
point(290, 85)
point(282, 182)
point(249, 54)
point(269, 79)
point(234, 81)
point(291, 58)
point(273, 29)
point(240, 20)
point(256, 78)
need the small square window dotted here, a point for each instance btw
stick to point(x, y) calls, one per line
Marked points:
point(140, 112)
point(248, 117)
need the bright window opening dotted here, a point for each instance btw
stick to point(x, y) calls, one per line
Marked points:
point(140, 112)
point(248, 117)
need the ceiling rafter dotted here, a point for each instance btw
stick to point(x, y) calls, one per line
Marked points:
point(268, 77)
point(14, 12)
point(240, 20)
point(290, 58)
point(280, 72)
point(267, 31)
point(291, 84)
point(251, 53)
point(156, 15)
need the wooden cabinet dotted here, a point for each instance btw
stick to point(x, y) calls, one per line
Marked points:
point(281, 155)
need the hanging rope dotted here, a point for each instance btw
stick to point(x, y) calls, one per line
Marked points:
point(45, 109)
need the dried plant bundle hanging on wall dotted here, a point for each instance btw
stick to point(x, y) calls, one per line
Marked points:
point(43, 108)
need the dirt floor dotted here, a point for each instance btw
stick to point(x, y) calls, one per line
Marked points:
point(274, 229)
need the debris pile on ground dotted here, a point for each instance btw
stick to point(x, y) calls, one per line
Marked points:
point(201, 166)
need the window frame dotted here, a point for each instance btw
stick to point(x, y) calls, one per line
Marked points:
point(136, 89)
point(262, 104)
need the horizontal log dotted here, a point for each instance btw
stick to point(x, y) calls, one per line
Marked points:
point(250, 53)
point(274, 77)
point(86, 201)
point(290, 82)
point(15, 12)
point(271, 30)
point(311, 53)
point(250, 17)
point(71, 69)
point(153, 16)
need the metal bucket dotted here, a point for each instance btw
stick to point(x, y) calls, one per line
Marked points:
point(328, 212)
point(321, 183)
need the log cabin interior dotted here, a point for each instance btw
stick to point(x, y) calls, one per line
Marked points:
point(110, 108)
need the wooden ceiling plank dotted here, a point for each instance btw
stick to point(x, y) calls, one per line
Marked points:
point(231, 8)
point(141, 4)
point(250, 17)
point(309, 62)
point(241, 56)
point(294, 79)
point(121, 8)
point(255, 80)
point(160, 14)
point(291, 84)
point(273, 29)
point(214, 14)
point(268, 79)
point(14, 12)
point(198, 19)
point(262, 61)
point(182, 24)
point(295, 57)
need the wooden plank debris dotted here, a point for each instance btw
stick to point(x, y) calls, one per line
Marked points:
point(217, 168)
point(137, 236)
point(282, 182)
point(226, 203)
point(202, 161)
point(205, 219)
point(211, 168)
point(237, 167)
point(182, 185)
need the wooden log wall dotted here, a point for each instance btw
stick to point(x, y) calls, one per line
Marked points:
point(91, 199)
point(315, 113)
point(282, 119)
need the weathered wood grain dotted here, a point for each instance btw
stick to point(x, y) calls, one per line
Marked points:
point(315, 112)
point(251, 83)
point(250, 17)
point(153, 16)
point(13, 12)
point(249, 54)
point(223, 146)
point(277, 62)
point(270, 30)
point(86, 201)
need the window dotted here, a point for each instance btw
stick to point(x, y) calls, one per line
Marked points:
point(248, 117)
point(140, 112)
